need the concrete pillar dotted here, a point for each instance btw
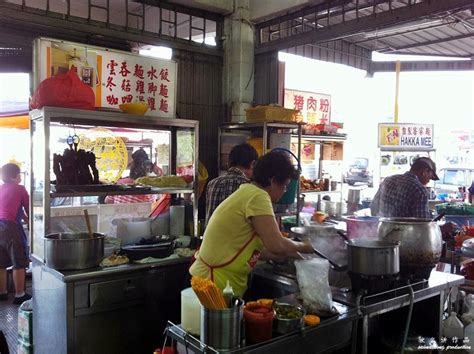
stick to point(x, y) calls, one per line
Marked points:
point(238, 61)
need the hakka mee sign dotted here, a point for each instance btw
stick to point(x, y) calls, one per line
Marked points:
point(405, 136)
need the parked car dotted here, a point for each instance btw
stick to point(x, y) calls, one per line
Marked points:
point(359, 171)
point(451, 178)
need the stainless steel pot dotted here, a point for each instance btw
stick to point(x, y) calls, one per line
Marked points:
point(373, 257)
point(420, 240)
point(73, 251)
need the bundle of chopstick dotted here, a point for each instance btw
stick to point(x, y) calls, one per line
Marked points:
point(209, 295)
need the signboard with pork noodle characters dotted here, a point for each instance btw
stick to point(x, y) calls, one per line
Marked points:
point(405, 136)
point(116, 77)
point(315, 108)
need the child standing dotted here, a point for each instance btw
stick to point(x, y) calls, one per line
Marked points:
point(14, 201)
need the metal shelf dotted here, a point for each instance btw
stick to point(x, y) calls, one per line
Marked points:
point(322, 137)
point(281, 125)
point(113, 119)
point(320, 192)
point(152, 191)
point(264, 128)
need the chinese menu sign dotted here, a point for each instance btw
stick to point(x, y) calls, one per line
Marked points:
point(405, 136)
point(115, 77)
point(315, 108)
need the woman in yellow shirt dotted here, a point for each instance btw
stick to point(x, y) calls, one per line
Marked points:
point(244, 226)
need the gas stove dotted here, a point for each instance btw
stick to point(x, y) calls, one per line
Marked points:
point(366, 285)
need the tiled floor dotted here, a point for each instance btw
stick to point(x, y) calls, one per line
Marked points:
point(9, 319)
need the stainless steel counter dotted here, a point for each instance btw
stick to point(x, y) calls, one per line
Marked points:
point(342, 330)
point(120, 309)
point(67, 276)
point(392, 299)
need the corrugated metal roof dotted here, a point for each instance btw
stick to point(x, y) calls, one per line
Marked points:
point(416, 27)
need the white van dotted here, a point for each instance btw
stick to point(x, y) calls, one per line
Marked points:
point(451, 178)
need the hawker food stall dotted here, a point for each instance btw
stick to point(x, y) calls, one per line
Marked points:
point(114, 190)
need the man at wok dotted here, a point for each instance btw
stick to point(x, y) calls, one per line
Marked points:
point(244, 226)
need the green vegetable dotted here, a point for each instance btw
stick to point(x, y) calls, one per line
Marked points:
point(288, 312)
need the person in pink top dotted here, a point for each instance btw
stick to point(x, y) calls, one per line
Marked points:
point(14, 201)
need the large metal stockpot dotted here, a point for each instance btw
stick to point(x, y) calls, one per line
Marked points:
point(72, 251)
point(368, 256)
point(420, 241)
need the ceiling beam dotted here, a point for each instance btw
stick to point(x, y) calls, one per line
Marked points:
point(446, 65)
point(16, 64)
point(426, 43)
point(408, 31)
point(367, 23)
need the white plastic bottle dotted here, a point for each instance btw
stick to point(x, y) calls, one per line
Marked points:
point(228, 294)
point(453, 328)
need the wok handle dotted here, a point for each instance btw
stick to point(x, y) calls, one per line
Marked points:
point(343, 235)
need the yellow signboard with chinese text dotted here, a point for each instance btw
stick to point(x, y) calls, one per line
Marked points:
point(405, 136)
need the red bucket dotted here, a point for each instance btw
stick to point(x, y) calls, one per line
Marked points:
point(362, 226)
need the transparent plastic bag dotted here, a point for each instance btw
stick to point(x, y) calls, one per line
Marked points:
point(314, 285)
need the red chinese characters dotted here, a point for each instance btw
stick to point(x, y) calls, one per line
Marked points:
point(152, 73)
point(298, 102)
point(324, 105)
point(112, 100)
point(111, 66)
point(124, 70)
point(164, 75)
point(126, 85)
point(140, 88)
point(139, 72)
point(164, 105)
point(152, 88)
point(311, 104)
point(129, 80)
point(110, 83)
point(164, 90)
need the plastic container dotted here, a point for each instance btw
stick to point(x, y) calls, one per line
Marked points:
point(258, 323)
point(270, 113)
point(361, 226)
point(228, 294)
point(190, 311)
point(453, 327)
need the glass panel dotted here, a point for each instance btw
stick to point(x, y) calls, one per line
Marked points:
point(185, 153)
point(37, 194)
point(116, 151)
point(210, 33)
point(183, 24)
point(168, 26)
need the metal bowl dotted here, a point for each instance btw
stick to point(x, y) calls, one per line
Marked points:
point(284, 325)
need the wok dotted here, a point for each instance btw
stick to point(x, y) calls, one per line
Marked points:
point(326, 240)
